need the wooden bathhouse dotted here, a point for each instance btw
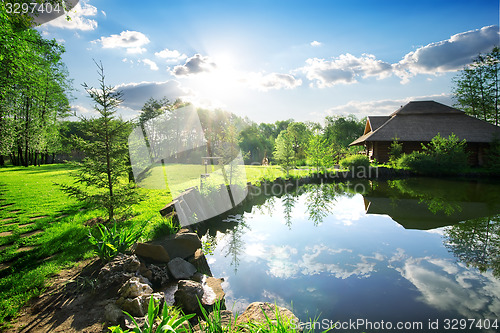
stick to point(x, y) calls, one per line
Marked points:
point(418, 122)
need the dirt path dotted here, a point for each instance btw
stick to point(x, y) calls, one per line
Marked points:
point(68, 305)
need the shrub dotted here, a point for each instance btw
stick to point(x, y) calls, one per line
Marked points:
point(355, 161)
point(395, 150)
point(493, 157)
point(107, 243)
point(440, 156)
point(167, 226)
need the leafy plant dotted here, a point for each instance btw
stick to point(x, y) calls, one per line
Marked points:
point(213, 321)
point(171, 320)
point(395, 150)
point(107, 243)
point(166, 227)
point(355, 161)
point(440, 156)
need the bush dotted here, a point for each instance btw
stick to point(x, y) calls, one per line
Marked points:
point(107, 243)
point(440, 156)
point(355, 161)
point(167, 226)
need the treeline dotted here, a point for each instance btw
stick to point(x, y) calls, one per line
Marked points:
point(33, 92)
point(260, 143)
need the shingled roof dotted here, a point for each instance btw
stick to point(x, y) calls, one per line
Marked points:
point(421, 121)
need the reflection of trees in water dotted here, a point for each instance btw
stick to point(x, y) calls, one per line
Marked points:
point(319, 200)
point(235, 244)
point(288, 202)
point(267, 208)
point(476, 243)
point(436, 199)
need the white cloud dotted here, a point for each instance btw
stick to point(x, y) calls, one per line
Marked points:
point(136, 94)
point(195, 65)
point(152, 65)
point(435, 58)
point(344, 69)
point(448, 55)
point(79, 20)
point(171, 55)
point(80, 110)
point(132, 41)
point(383, 107)
point(266, 82)
point(316, 43)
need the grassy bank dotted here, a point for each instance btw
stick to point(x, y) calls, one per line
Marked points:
point(43, 231)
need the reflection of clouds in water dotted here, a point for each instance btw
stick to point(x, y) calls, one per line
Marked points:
point(274, 298)
point(237, 305)
point(348, 210)
point(448, 286)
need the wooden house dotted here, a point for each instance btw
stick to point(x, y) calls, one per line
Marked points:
point(418, 122)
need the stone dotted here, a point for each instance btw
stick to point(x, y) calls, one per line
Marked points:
point(153, 252)
point(182, 245)
point(113, 314)
point(200, 262)
point(116, 272)
point(181, 269)
point(138, 306)
point(134, 287)
point(146, 272)
point(255, 313)
point(187, 295)
point(216, 286)
point(159, 275)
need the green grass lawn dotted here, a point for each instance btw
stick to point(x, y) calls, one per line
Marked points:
point(42, 230)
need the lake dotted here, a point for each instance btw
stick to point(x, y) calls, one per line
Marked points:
point(420, 253)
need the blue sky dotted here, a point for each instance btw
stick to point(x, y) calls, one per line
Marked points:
point(272, 60)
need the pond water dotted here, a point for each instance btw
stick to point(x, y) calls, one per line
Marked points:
point(379, 253)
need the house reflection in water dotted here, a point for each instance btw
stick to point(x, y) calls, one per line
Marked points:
point(424, 206)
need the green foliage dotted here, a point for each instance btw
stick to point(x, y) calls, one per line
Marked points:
point(212, 322)
point(319, 153)
point(171, 320)
point(166, 227)
point(440, 156)
point(106, 165)
point(343, 130)
point(395, 150)
point(493, 157)
point(33, 87)
point(284, 152)
point(477, 87)
point(355, 162)
point(107, 243)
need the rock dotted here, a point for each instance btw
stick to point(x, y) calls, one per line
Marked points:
point(216, 286)
point(181, 269)
point(254, 313)
point(207, 292)
point(151, 251)
point(138, 306)
point(182, 245)
point(113, 314)
point(134, 287)
point(146, 272)
point(159, 276)
point(226, 320)
point(200, 262)
point(116, 272)
point(187, 295)
point(129, 324)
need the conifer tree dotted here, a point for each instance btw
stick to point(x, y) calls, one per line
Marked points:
point(101, 179)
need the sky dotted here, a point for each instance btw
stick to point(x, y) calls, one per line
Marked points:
point(272, 60)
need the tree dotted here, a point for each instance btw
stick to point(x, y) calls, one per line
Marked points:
point(477, 87)
point(343, 130)
point(283, 151)
point(105, 167)
point(318, 152)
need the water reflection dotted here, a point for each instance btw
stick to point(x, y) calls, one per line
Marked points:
point(366, 250)
point(476, 243)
